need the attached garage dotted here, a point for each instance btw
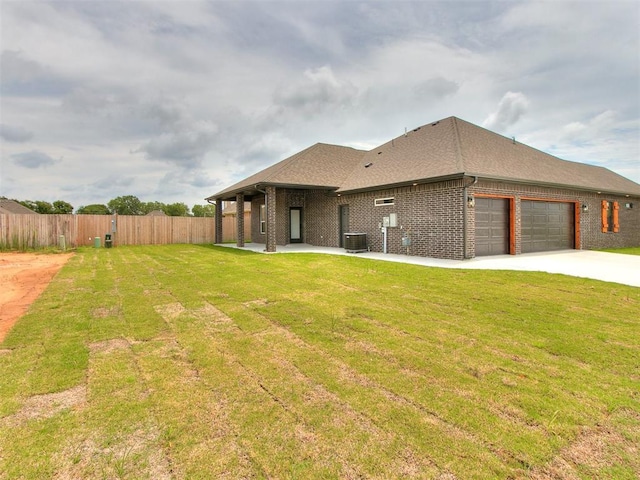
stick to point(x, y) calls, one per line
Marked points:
point(547, 226)
point(492, 226)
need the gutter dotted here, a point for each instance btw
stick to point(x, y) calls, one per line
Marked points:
point(563, 186)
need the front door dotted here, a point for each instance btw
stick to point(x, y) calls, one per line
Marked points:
point(295, 225)
point(344, 223)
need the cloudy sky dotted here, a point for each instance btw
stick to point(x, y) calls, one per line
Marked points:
point(173, 101)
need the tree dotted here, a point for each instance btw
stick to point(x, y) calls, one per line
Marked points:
point(94, 209)
point(60, 206)
point(126, 205)
point(43, 207)
point(149, 207)
point(204, 210)
point(177, 209)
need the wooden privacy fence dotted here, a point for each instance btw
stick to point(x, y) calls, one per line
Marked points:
point(39, 231)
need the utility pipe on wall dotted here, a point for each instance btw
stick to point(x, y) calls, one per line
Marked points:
point(465, 253)
point(384, 239)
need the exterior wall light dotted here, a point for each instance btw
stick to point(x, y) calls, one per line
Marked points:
point(585, 207)
point(471, 202)
point(628, 205)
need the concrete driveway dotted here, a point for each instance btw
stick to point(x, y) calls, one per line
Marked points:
point(608, 267)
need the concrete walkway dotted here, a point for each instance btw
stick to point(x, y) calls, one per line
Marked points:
point(608, 267)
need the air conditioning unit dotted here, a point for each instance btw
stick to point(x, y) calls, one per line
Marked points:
point(355, 242)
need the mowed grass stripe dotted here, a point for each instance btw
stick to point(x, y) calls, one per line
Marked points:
point(403, 426)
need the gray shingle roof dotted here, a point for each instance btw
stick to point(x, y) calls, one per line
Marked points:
point(13, 207)
point(321, 165)
point(453, 147)
point(447, 148)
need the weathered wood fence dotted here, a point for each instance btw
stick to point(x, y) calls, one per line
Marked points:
point(40, 231)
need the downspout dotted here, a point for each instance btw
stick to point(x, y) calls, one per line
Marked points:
point(465, 201)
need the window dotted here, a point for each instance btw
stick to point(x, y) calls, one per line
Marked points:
point(610, 222)
point(263, 219)
point(383, 201)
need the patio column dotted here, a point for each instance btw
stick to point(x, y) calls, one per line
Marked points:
point(218, 220)
point(270, 201)
point(240, 219)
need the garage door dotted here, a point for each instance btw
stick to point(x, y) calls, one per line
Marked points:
point(492, 226)
point(546, 226)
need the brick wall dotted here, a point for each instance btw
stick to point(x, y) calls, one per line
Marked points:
point(431, 215)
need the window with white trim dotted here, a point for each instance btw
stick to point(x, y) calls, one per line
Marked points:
point(379, 202)
point(263, 219)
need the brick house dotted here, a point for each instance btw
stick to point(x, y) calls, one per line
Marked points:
point(449, 189)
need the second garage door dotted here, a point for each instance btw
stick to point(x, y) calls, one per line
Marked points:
point(547, 226)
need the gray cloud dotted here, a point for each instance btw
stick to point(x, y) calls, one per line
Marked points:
point(34, 159)
point(436, 88)
point(15, 134)
point(26, 77)
point(319, 90)
point(112, 182)
point(178, 181)
point(185, 147)
point(511, 108)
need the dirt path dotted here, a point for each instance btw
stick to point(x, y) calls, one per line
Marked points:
point(23, 277)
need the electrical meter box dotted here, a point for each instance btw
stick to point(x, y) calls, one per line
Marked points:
point(390, 221)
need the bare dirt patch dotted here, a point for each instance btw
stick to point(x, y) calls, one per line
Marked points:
point(49, 404)
point(24, 276)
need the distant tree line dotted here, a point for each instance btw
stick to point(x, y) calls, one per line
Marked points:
point(124, 205)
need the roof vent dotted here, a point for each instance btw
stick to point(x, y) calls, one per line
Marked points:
point(368, 165)
point(416, 129)
point(379, 153)
point(436, 123)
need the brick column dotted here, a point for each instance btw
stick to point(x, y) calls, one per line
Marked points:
point(271, 218)
point(218, 220)
point(240, 219)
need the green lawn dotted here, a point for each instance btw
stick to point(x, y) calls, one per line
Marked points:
point(627, 251)
point(189, 362)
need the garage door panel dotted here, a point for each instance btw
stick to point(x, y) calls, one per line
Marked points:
point(546, 226)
